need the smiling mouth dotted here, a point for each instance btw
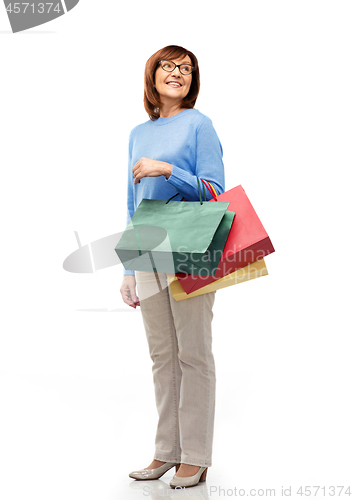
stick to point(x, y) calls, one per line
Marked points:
point(174, 84)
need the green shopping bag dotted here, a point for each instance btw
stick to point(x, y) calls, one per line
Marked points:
point(184, 237)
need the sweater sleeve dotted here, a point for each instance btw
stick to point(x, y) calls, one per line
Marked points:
point(209, 164)
point(130, 196)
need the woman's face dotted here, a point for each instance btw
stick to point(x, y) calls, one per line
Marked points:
point(169, 91)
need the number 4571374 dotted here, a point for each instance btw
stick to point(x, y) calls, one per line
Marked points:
point(41, 7)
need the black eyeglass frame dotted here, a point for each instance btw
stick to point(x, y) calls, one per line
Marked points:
point(176, 66)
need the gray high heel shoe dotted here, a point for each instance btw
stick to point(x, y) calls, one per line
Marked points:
point(199, 477)
point(145, 474)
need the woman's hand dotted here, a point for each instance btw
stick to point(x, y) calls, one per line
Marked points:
point(146, 167)
point(128, 291)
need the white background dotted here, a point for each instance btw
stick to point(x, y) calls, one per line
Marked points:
point(76, 390)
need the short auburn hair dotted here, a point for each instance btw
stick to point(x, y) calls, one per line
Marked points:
point(151, 98)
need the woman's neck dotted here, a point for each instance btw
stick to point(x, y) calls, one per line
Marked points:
point(166, 111)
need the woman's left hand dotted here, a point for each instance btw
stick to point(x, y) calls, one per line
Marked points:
point(146, 167)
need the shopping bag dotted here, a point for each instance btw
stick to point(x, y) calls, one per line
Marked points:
point(176, 236)
point(249, 272)
point(247, 242)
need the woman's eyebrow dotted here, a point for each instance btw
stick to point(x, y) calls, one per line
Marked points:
point(183, 62)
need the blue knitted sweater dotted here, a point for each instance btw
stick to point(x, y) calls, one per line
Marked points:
point(190, 143)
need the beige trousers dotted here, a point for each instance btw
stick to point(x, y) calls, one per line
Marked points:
point(179, 337)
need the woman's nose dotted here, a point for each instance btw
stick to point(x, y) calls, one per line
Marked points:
point(176, 72)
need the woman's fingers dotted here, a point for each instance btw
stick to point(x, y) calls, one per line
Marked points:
point(127, 298)
point(136, 167)
point(128, 292)
point(130, 297)
point(144, 167)
point(136, 171)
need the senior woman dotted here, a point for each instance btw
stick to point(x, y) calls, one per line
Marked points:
point(166, 155)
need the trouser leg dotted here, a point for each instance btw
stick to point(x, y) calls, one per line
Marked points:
point(179, 335)
point(192, 320)
point(161, 337)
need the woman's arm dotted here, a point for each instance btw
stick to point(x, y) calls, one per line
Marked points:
point(209, 164)
point(130, 196)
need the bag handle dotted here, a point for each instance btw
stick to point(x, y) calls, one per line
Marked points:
point(213, 192)
point(204, 190)
point(172, 198)
point(204, 193)
point(208, 183)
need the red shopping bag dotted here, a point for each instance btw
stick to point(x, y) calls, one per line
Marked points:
point(247, 242)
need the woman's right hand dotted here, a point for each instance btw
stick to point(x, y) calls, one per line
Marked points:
point(128, 291)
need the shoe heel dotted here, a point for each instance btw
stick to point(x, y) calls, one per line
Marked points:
point(177, 468)
point(203, 476)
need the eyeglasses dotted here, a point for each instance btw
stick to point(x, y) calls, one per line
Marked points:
point(185, 69)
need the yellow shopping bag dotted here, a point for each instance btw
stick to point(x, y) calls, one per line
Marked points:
point(249, 272)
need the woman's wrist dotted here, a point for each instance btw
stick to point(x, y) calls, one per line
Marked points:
point(167, 169)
